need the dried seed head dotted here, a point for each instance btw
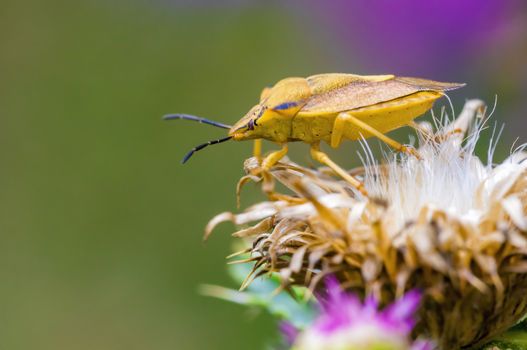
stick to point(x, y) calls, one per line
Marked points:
point(448, 224)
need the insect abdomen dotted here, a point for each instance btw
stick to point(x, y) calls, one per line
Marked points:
point(384, 116)
point(390, 115)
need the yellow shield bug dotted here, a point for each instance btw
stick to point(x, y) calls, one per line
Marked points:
point(331, 108)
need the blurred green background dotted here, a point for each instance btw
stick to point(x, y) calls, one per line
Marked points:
point(101, 226)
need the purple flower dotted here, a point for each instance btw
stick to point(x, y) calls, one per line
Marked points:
point(347, 323)
point(289, 332)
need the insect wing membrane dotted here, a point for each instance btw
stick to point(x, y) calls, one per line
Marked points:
point(362, 93)
point(427, 85)
point(356, 95)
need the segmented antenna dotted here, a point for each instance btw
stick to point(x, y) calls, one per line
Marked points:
point(203, 145)
point(196, 119)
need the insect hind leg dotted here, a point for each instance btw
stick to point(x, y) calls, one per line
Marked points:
point(362, 126)
point(323, 158)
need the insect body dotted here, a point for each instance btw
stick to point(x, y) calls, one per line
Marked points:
point(331, 108)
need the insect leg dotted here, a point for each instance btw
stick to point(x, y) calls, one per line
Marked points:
point(338, 129)
point(274, 157)
point(372, 131)
point(257, 150)
point(268, 181)
point(323, 158)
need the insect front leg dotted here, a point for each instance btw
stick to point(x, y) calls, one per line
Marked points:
point(274, 157)
point(269, 161)
point(257, 149)
point(268, 180)
point(362, 126)
point(323, 158)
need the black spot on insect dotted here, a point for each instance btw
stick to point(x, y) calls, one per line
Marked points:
point(250, 125)
point(261, 112)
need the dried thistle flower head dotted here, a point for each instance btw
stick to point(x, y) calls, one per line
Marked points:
point(448, 224)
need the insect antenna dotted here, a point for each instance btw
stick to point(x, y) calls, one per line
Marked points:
point(203, 145)
point(196, 119)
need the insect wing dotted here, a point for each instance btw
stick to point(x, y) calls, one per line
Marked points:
point(361, 93)
point(322, 83)
point(429, 85)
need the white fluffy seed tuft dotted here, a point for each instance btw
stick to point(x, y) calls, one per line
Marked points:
point(449, 177)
